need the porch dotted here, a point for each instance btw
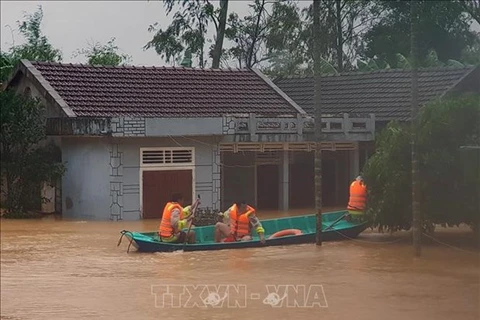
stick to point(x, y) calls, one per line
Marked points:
point(274, 178)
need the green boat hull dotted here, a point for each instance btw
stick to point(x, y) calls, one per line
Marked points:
point(342, 229)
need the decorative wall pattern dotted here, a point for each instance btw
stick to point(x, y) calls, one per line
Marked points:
point(216, 192)
point(229, 125)
point(116, 177)
point(116, 204)
point(128, 127)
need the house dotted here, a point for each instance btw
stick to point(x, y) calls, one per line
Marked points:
point(131, 136)
point(385, 94)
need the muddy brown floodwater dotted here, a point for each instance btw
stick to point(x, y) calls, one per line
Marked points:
point(57, 269)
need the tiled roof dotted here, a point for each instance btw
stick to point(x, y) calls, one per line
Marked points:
point(102, 91)
point(385, 93)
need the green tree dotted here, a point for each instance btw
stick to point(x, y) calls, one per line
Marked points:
point(274, 37)
point(217, 50)
point(6, 65)
point(249, 35)
point(107, 54)
point(444, 26)
point(188, 30)
point(287, 42)
point(343, 24)
point(448, 191)
point(36, 46)
point(471, 54)
point(27, 160)
point(472, 7)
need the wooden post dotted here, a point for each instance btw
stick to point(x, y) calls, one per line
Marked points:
point(318, 120)
point(417, 223)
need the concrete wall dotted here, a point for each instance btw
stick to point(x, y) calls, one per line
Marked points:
point(166, 127)
point(24, 83)
point(86, 183)
point(183, 126)
point(103, 175)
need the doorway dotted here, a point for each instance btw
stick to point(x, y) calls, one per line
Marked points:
point(268, 189)
point(158, 186)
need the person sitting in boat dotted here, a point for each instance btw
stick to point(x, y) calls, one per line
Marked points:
point(237, 225)
point(175, 219)
point(358, 198)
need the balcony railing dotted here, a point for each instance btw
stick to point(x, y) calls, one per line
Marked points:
point(304, 125)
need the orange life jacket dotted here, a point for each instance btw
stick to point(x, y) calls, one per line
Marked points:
point(240, 224)
point(166, 229)
point(358, 196)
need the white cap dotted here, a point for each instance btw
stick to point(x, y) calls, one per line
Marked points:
point(359, 178)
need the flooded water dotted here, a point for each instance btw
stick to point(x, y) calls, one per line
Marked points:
point(54, 269)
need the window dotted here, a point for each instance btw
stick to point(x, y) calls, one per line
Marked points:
point(167, 156)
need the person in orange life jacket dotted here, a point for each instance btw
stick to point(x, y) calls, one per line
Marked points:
point(239, 220)
point(174, 220)
point(358, 198)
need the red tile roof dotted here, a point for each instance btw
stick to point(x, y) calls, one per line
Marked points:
point(105, 91)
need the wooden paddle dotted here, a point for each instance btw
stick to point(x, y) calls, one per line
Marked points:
point(194, 209)
point(337, 221)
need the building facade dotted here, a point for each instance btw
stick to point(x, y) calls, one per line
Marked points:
point(132, 136)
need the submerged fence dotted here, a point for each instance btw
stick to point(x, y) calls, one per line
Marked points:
point(206, 217)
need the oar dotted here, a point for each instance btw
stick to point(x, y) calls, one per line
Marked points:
point(194, 209)
point(336, 221)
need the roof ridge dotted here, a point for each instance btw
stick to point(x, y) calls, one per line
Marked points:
point(140, 67)
point(392, 70)
point(279, 91)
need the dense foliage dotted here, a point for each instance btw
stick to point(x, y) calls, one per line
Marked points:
point(36, 46)
point(106, 55)
point(277, 36)
point(444, 27)
point(27, 160)
point(449, 177)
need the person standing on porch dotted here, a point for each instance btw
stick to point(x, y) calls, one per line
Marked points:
point(174, 219)
point(239, 220)
point(358, 197)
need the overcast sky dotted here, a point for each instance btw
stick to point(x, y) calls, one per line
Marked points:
point(71, 25)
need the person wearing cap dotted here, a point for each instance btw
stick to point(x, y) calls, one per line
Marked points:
point(358, 197)
point(239, 220)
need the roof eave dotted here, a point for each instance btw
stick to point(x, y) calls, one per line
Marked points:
point(459, 81)
point(38, 80)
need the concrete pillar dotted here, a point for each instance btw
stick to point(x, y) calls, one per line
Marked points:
point(284, 181)
point(355, 162)
point(338, 180)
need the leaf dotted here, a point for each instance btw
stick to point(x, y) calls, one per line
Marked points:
point(402, 61)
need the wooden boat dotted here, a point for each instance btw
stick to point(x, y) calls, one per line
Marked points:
point(336, 228)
